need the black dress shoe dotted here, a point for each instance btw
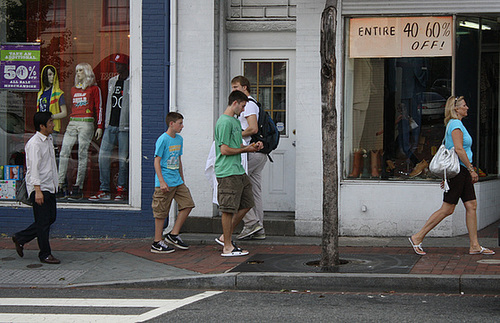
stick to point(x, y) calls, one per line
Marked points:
point(51, 260)
point(19, 247)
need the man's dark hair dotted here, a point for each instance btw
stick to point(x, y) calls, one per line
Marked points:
point(242, 80)
point(173, 117)
point(41, 118)
point(237, 96)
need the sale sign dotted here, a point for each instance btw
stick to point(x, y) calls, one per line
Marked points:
point(401, 37)
point(20, 66)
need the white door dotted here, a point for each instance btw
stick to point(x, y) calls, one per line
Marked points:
point(271, 75)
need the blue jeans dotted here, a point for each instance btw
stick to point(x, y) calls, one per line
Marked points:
point(112, 137)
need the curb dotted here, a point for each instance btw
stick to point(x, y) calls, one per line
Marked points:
point(321, 282)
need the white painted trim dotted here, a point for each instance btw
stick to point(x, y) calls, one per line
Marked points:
point(135, 152)
point(173, 55)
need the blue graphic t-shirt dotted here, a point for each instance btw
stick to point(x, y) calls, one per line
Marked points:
point(44, 103)
point(169, 149)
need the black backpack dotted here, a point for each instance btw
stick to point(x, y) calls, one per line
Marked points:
point(267, 133)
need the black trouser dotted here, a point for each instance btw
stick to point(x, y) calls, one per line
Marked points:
point(45, 215)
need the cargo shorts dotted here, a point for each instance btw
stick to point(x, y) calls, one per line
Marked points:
point(234, 193)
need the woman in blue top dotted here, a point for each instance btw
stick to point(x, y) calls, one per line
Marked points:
point(462, 185)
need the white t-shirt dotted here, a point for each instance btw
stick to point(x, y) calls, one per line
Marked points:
point(250, 108)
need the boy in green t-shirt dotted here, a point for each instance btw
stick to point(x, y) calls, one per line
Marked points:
point(234, 190)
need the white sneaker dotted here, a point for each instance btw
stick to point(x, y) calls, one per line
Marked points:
point(100, 196)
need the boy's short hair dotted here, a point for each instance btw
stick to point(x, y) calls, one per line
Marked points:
point(41, 118)
point(242, 80)
point(173, 117)
point(237, 96)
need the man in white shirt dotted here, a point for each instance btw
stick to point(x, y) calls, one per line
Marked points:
point(254, 220)
point(41, 183)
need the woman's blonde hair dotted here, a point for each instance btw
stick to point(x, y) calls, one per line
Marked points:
point(449, 110)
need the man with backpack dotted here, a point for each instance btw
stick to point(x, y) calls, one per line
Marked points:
point(254, 220)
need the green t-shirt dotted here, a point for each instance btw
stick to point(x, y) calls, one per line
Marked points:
point(228, 132)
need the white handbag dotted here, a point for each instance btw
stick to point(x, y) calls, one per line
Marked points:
point(445, 163)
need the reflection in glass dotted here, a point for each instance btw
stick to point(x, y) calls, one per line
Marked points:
point(268, 86)
point(250, 72)
point(396, 115)
point(265, 73)
point(264, 97)
point(279, 73)
point(69, 32)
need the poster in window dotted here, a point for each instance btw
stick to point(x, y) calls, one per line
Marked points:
point(20, 66)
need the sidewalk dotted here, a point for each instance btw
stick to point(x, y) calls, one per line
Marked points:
point(447, 267)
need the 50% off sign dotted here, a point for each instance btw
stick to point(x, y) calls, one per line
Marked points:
point(19, 67)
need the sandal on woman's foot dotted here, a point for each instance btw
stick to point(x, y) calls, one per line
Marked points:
point(483, 251)
point(417, 248)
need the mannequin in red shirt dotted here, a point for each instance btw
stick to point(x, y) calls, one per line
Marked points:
point(86, 103)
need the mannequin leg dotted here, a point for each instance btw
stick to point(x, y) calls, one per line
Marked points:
point(69, 141)
point(84, 138)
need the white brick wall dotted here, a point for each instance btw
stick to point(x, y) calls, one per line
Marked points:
point(195, 97)
point(309, 171)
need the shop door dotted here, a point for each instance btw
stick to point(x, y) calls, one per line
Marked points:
point(271, 76)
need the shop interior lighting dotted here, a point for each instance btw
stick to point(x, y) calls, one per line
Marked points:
point(473, 25)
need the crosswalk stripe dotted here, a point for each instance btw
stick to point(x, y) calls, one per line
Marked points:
point(160, 306)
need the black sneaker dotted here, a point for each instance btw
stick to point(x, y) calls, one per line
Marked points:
point(176, 241)
point(62, 194)
point(161, 247)
point(76, 193)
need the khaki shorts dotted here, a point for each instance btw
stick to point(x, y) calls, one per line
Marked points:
point(162, 200)
point(234, 193)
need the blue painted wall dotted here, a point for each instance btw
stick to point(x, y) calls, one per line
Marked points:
point(121, 223)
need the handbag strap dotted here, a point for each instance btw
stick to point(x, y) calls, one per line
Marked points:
point(445, 131)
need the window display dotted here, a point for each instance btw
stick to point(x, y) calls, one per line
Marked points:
point(84, 81)
point(394, 104)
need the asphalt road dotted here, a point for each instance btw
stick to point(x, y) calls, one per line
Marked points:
point(155, 305)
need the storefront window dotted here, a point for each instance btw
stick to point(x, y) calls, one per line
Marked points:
point(394, 106)
point(84, 81)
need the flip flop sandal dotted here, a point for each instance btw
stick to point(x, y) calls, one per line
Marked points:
point(417, 248)
point(222, 243)
point(483, 251)
point(219, 242)
point(235, 253)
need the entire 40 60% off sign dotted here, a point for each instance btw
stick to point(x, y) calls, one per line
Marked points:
point(400, 37)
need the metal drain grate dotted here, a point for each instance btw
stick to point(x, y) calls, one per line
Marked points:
point(39, 277)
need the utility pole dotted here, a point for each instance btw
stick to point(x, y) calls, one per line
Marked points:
point(330, 240)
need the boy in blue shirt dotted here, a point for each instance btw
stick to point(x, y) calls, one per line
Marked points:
point(169, 185)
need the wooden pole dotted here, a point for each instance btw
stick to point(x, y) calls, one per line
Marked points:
point(330, 240)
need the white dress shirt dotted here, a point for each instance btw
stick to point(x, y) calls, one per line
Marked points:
point(41, 166)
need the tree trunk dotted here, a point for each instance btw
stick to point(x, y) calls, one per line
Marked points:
point(330, 241)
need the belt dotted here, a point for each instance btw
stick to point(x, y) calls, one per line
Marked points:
point(89, 119)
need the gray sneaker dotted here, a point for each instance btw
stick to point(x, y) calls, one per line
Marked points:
point(259, 235)
point(248, 231)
